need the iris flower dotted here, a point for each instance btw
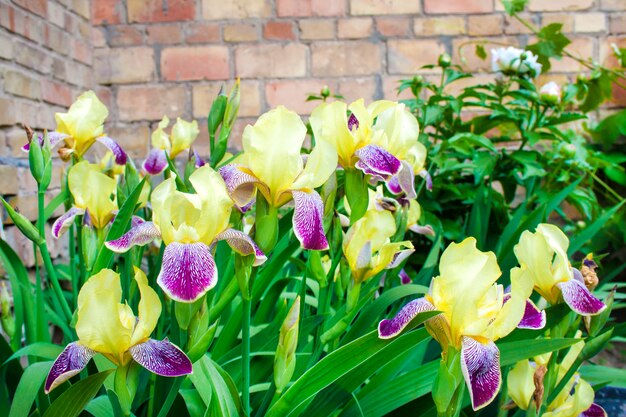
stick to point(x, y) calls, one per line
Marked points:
point(109, 327)
point(544, 253)
point(367, 247)
point(475, 312)
point(94, 195)
point(183, 135)
point(81, 127)
point(576, 398)
point(380, 140)
point(271, 163)
point(189, 225)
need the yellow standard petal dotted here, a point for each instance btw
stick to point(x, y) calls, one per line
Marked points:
point(320, 164)
point(84, 122)
point(149, 309)
point(401, 130)
point(272, 149)
point(94, 191)
point(215, 202)
point(520, 384)
point(329, 122)
point(183, 135)
point(160, 139)
point(100, 326)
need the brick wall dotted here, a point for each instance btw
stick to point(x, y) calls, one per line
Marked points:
point(146, 58)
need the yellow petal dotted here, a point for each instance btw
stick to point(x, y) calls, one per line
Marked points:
point(215, 201)
point(272, 149)
point(401, 131)
point(573, 405)
point(415, 212)
point(94, 191)
point(558, 242)
point(321, 163)
point(520, 384)
point(183, 135)
point(99, 325)
point(159, 138)
point(83, 122)
point(149, 309)
point(329, 122)
point(162, 198)
point(385, 256)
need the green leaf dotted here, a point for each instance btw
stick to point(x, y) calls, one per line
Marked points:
point(55, 203)
point(100, 407)
point(514, 6)
point(581, 238)
point(119, 226)
point(76, 398)
point(597, 374)
point(28, 388)
point(214, 389)
point(41, 350)
point(466, 142)
point(513, 352)
point(480, 52)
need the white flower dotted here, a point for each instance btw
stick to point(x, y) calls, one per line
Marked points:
point(550, 92)
point(511, 61)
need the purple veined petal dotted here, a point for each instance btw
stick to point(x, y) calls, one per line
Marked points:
point(241, 185)
point(308, 220)
point(139, 235)
point(578, 276)
point(403, 181)
point(579, 298)
point(353, 122)
point(243, 244)
point(429, 180)
point(594, 411)
point(199, 161)
point(423, 230)
point(156, 162)
point(162, 358)
point(533, 319)
point(244, 209)
point(53, 137)
point(393, 185)
point(404, 277)
point(389, 328)
point(480, 364)
point(136, 221)
point(374, 160)
point(70, 362)
point(64, 222)
point(188, 271)
point(398, 257)
point(115, 148)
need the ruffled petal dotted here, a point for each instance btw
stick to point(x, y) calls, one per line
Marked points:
point(64, 222)
point(429, 180)
point(374, 160)
point(241, 185)
point(403, 181)
point(139, 235)
point(188, 271)
point(594, 411)
point(149, 309)
point(480, 363)
point(308, 220)
point(320, 164)
point(390, 328)
point(580, 299)
point(70, 362)
point(156, 162)
point(242, 244)
point(399, 257)
point(162, 358)
point(533, 317)
point(115, 148)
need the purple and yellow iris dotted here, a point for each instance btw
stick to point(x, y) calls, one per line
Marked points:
point(189, 224)
point(544, 253)
point(271, 163)
point(475, 312)
point(181, 138)
point(110, 328)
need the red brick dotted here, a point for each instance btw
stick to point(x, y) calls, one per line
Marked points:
point(484, 25)
point(354, 28)
point(559, 5)
point(36, 6)
point(150, 103)
point(145, 11)
point(382, 7)
point(459, 7)
point(106, 12)
point(618, 24)
point(270, 60)
point(293, 93)
point(125, 35)
point(279, 31)
point(56, 93)
point(407, 56)
point(195, 63)
point(133, 138)
point(241, 32)
point(356, 88)
point(81, 51)
point(200, 32)
point(310, 8)
point(315, 29)
point(124, 65)
point(164, 34)
point(393, 26)
point(235, 9)
point(345, 58)
point(56, 14)
point(613, 5)
point(204, 94)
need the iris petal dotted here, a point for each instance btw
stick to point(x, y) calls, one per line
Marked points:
point(115, 148)
point(162, 358)
point(533, 317)
point(580, 299)
point(390, 328)
point(70, 362)
point(308, 216)
point(149, 309)
point(242, 244)
point(64, 222)
point(156, 162)
point(188, 271)
point(139, 235)
point(594, 411)
point(241, 185)
point(480, 363)
point(374, 160)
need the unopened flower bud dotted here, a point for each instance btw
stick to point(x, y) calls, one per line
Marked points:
point(444, 60)
point(23, 224)
point(550, 93)
point(232, 105)
point(7, 318)
point(285, 359)
point(216, 114)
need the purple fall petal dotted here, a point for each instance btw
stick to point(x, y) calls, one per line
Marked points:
point(199, 161)
point(139, 235)
point(156, 162)
point(393, 185)
point(404, 277)
point(398, 257)
point(115, 148)
point(53, 137)
point(242, 244)
point(162, 358)
point(423, 230)
point(429, 180)
point(579, 298)
point(390, 328)
point(594, 411)
point(241, 185)
point(403, 181)
point(374, 160)
point(70, 362)
point(64, 222)
point(188, 271)
point(534, 318)
point(308, 216)
point(480, 364)
point(353, 122)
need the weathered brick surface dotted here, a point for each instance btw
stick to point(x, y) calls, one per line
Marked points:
point(150, 103)
point(195, 63)
point(270, 61)
point(346, 58)
point(406, 56)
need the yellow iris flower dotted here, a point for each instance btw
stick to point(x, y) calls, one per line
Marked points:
point(94, 191)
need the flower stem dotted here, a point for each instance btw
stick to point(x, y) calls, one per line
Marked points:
point(54, 279)
point(245, 361)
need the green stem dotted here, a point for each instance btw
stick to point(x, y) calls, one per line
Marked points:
point(245, 361)
point(54, 279)
point(121, 389)
point(73, 266)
